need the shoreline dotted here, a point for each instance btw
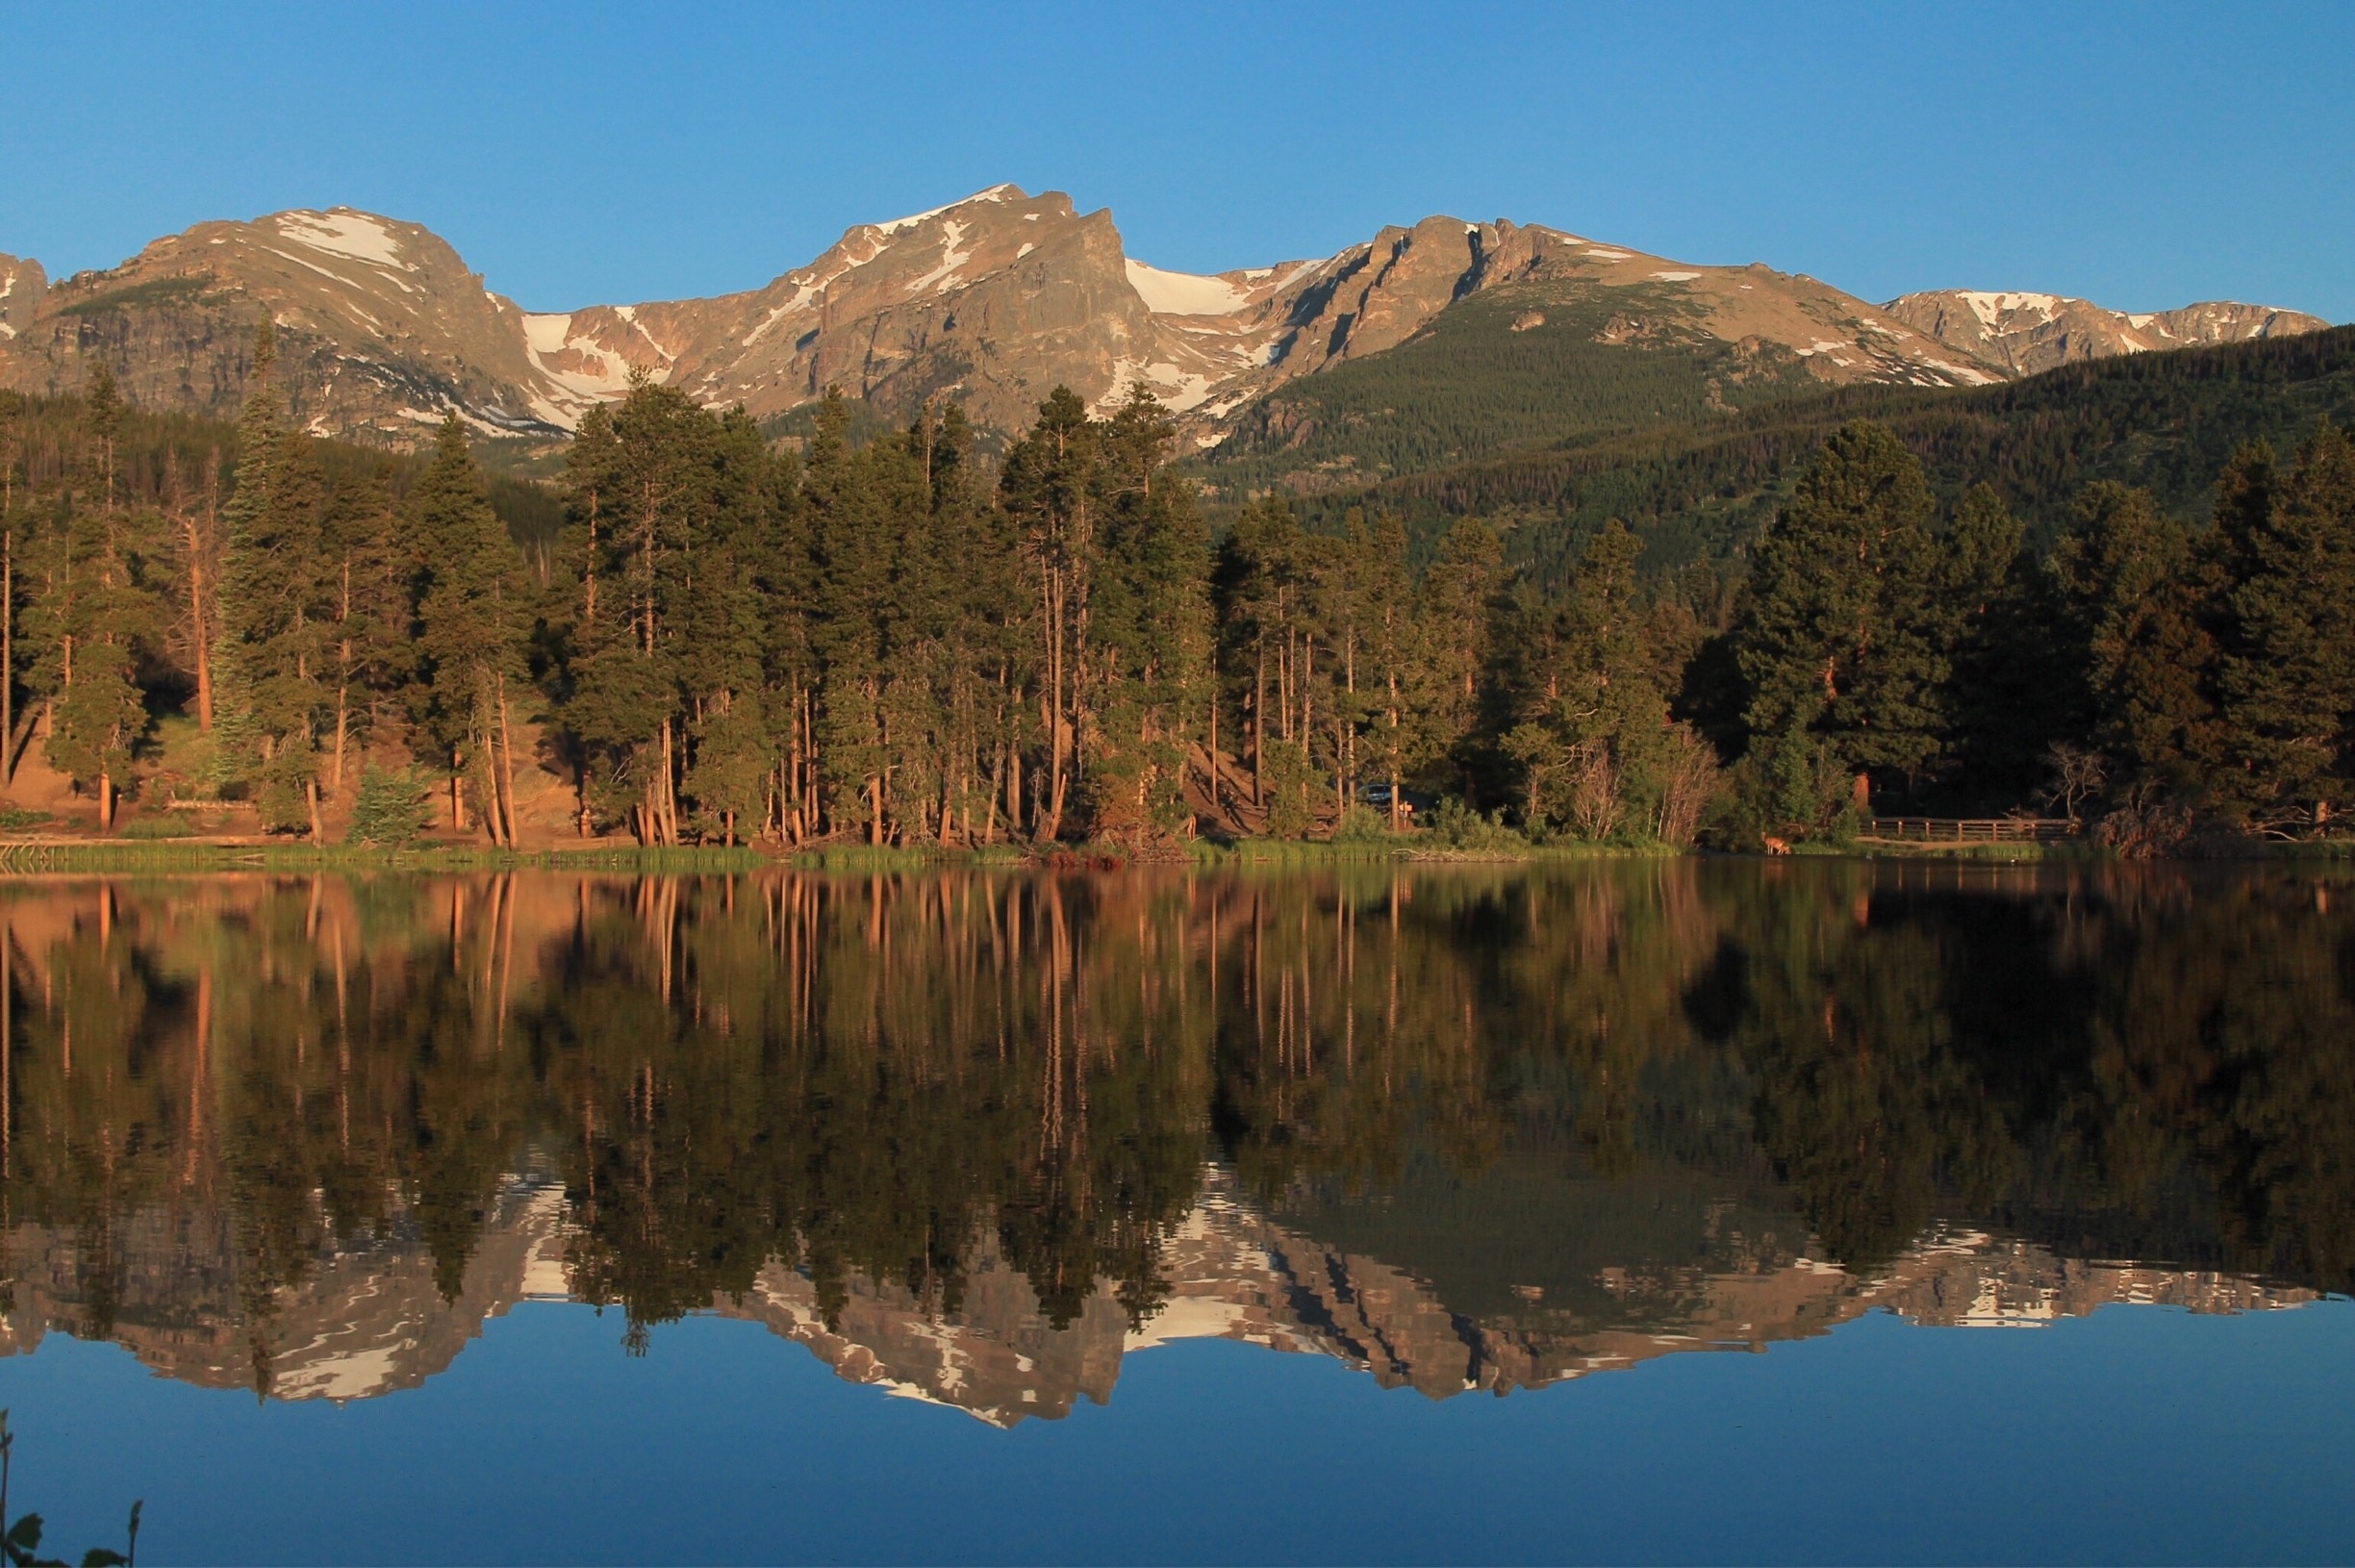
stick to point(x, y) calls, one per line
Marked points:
point(61, 854)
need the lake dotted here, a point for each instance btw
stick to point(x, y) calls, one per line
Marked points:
point(1657, 1209)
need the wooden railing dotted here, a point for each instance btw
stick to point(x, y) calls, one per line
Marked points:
point(1973, 829)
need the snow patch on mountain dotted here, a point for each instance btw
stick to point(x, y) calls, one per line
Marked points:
point(583, 373)
point(1963, 374)
point(342, 232)
point(943, 277)
point(1178, 390)
point(1991, 307)
point(995, 193)
point(1184, 293)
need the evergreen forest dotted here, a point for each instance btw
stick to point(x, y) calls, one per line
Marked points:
point(916, 638)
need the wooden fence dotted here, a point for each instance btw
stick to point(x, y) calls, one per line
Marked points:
point(1973, 829)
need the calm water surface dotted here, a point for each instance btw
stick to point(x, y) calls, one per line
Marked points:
point(1647, 1210)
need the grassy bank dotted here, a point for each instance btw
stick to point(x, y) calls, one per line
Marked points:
point(53, 855)
point(176, 855)
point(168, 855)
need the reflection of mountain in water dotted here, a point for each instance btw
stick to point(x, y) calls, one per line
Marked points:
point(1236, 1276)
point(976, 1137)
point(369, 1319)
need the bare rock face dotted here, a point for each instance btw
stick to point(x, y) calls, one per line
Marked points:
point(22, 283)
point(991, 301)
point(2023, 333)
point(380, 326)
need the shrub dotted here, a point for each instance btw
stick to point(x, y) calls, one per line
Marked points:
point(1363, 825)
point(1456, 826)
point(390, 811)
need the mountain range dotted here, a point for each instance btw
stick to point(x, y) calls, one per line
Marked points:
point(994, 300)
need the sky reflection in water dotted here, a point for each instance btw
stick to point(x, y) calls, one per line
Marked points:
point(1019, 1147)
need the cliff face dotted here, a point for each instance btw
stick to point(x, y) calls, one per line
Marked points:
point(23, 285)
point(992, 301)
point(2023, 333)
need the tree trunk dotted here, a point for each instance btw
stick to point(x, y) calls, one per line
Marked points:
point(198, 630)
point(1258, 730)
point(506, 762)
point(105, 802)
point(8, 648)
point(989, 812)
point(1014, 790)
point(311, 797)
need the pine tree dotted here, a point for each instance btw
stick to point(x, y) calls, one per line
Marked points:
point(467, 589)
point(1398, 743)
point(1460, 604)
point(2135, 606)
point(104, 406)
point(1047, 486)
point(103, 617)
point(362, 591)
point(1149, 640)
point(101, 713)
point(238, 740)
point(1588, 727)
point(274, 628)
point(2288, 685)
point(1841, 642)
point(1998, 614)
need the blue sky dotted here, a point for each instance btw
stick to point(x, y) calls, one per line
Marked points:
point(2142, 156)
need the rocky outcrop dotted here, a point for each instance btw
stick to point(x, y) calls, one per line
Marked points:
point(23, 285)
point(2021, 334)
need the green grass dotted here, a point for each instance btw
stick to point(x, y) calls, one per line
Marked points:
point(163, 824)
point(866, 859)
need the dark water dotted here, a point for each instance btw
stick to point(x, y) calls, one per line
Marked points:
point(1343, 1215)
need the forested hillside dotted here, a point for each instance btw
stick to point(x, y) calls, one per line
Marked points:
point(1518, 366)
point(1701, 490)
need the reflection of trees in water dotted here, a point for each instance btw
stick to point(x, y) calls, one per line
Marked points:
point(2123, 1062)
point(863, 1077)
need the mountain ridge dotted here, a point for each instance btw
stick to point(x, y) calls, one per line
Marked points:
point(2028, 333)
point(991, 300)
